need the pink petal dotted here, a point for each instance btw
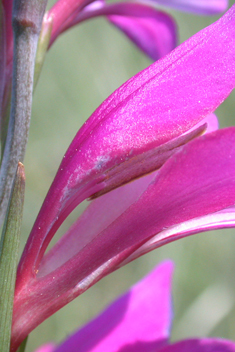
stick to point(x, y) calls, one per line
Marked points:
point(201, 345)
point(206, 7)
point(139, 320)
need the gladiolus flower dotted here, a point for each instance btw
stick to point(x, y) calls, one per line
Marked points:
point(152, 122)
point(140, 320)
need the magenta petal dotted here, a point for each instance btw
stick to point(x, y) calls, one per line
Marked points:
point(201, 345)
point(155, 38)
point(206, 7)
point(155, 34)
point(138, 321)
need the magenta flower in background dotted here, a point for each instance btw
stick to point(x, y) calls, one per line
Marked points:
point(150, 123)
point(138, 321)
point(153, 31)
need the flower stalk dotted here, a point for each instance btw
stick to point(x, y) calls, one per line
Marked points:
point(27, 19)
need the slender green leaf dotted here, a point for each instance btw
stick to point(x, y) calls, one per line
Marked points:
point(9, 247)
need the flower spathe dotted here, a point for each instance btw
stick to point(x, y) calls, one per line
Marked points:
point(138, 321)
point(145, 125)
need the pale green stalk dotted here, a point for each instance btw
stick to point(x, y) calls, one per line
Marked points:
point(27, 20)
point(9, 248)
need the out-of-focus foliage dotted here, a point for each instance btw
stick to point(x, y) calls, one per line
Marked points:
point(82, 68)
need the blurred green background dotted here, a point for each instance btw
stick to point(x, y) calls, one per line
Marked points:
point(82, 68)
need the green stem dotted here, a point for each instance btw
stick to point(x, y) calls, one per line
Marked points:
point(9, 248)
point(27, 20)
